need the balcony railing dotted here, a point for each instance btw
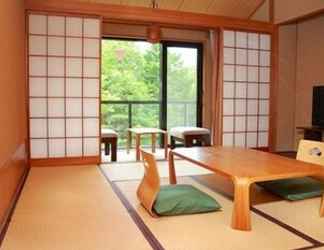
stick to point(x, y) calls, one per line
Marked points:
point(121, 115)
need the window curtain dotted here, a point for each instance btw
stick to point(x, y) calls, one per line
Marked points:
point(215, 37)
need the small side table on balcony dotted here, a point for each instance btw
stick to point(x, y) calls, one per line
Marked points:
point(146, 131)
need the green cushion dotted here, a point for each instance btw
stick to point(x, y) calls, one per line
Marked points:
point(294, 189)
point(183, 199)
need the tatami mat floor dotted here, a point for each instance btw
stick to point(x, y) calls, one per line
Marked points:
point(76, 208)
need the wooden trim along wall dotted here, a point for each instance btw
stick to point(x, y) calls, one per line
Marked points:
point(65, 161)
point(12, 176)
point(147, 15)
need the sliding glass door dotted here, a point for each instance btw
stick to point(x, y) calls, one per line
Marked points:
point(150, 85)
point(182, 77)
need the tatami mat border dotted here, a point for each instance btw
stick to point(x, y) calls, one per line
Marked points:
point(147, 233)
point(315, 243)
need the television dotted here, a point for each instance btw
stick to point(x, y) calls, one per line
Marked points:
point(318, 106)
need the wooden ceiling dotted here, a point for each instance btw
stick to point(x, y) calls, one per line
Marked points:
point(230, 8)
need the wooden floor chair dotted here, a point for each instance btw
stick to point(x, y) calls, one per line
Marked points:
point(149, 187)
point(170, 199)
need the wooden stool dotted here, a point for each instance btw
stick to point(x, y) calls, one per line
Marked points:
point(110, 137)
point(187, 135)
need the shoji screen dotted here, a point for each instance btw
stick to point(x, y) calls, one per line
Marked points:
point(64, 82)
point(246, 89)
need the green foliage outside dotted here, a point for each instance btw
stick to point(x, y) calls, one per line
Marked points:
point(131, 72)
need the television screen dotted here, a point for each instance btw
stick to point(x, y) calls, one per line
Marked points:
point(318, 106)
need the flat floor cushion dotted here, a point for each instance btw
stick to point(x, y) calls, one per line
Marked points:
point(183, 199)
point(294, 189)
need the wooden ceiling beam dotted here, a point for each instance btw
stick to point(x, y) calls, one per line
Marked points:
point(141, 14)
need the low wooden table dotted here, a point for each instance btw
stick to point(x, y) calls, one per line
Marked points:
point(244, 167)
point(146, 131)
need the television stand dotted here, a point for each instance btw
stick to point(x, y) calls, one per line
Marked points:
point(313, 133)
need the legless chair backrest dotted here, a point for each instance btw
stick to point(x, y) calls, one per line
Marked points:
point(311, 152)
point(150, 184)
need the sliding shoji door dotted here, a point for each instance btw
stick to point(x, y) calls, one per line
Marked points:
point(246, 89)
point(64, 83)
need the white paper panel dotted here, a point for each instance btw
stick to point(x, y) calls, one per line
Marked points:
point(228, 107)
point(241, 73)
point(56, 66)
point(91, 146)
point(91, 68)
point(74, 67)
point(252, 123)
point(74, 127)
point(55, 87)
point(227, 139)
point(263, 123)
point(56, 25)
point(240, 90)
point(264, 91)
point(37, 24)
point(90, 127)
point(91, 28)
point(56, 148)
point(73, 147)
point(73, 87)
point(56, 128)
point(251, 140)
point(38, 128)
point(264, 107)
point(252, 107)
point(91, 87)
point(239, 139)
point(73, 46)
point(37, 66)
point(263, 140)
point(228, 124)
point(55, 107)
point(240, 107)
point(228, 90)
point(91, 48)
point(37, 87)
point(229, 38)
point(241, 39)
point(265, 58)
point(229, 73)
point(241, 56)
point(229, 56)
point(38, 148)
point(253, 90)
point(74, 26)
point(253, 57)
point(37, 107)
point(240, 123)
point(73, 107)
point(56, 46)
point(265, 42)
point(264, 74)
point(253, 40)
point(37, 45)
point(253, 74)
point(91, 107)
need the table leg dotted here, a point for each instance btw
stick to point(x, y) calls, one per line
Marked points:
point(129, 141)
point(166, 145)
point(138, 144)
point(241, 219)
point(172, 174)
point(322, 207)
point(153, 142)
